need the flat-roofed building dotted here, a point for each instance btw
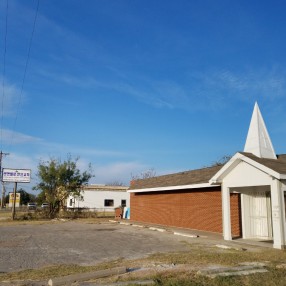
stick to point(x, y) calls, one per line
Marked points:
point(100, 197)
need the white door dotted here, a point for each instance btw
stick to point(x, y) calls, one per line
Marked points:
point(260, 215)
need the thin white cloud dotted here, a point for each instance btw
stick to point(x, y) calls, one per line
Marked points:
point(10, 96)
point(63, 149)
point(247, 85)
point(118, 171)
point(143, 94)
point(268, 84)
point(103, 173)
point(15, 138)
point(210, 90)
point(19, 161)
point(160, 94)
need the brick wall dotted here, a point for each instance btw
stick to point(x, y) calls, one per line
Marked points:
point(194, 209)
point(235, 215)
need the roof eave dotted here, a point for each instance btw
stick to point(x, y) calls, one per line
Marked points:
point(171, 188)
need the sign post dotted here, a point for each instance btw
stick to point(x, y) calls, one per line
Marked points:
point(14, 201)
point(16, 176)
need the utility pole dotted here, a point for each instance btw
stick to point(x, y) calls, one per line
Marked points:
point(3, 188)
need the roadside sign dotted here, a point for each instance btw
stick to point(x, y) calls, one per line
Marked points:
point(16, 175)
point(11, 200)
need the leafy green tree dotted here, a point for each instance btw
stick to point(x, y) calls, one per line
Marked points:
point(6, 199)
point(60, 179)
point(25, 197)
point(41, 198)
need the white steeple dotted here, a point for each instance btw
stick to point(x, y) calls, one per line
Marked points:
point(258, 141)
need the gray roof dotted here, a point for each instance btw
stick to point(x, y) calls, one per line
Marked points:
point(198, 176)
point(278, 165)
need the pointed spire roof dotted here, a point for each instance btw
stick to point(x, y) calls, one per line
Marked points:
point(258, 141)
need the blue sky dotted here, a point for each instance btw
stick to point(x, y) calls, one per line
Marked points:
point(130, 85)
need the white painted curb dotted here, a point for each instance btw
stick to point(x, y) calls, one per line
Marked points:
point(186, 235)
point(125, 223)
point(138, 225)
point(157, 229)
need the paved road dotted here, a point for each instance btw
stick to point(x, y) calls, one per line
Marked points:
point(71, 242)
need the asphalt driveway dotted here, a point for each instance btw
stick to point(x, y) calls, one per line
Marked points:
point(73, 242)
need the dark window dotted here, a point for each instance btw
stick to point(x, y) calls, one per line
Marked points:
point(123, 203)
point(108, 203)
point(70, 202)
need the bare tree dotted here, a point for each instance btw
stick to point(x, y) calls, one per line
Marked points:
point(223, 160)
point(150, 173)
point(114, 183)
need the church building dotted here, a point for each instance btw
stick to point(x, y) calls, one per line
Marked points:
point(243, 198)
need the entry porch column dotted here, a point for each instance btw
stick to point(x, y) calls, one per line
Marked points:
point(226, 213)
point(278, 214)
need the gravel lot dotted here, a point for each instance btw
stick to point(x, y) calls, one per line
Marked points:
point(73, 242)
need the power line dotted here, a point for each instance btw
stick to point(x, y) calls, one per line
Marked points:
point(3, 90)
point(25, 71)
point(4, 73)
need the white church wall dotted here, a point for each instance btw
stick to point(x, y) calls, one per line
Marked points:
point(246, 175)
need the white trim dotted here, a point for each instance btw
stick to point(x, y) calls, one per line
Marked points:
point(235, 160)
point(171, 188)
point(230, 165)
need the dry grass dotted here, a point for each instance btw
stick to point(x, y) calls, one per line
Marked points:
point(54, 271)
point(198, 257)
point(203, 254)
point(273, 277)
point(5, 214)
point(23, 214)
point(20, 221)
